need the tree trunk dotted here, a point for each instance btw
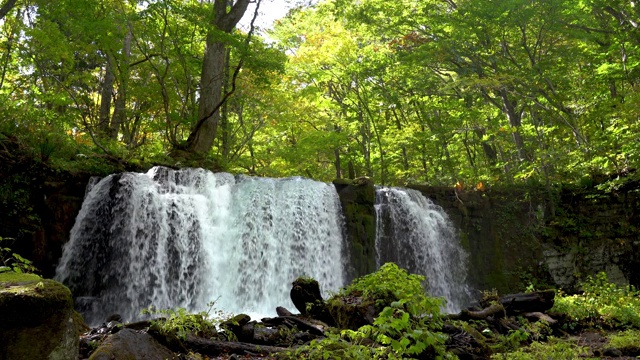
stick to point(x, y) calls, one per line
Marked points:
point(224, 120)
point(4, 10)
point(9, 49)
point(106, 96)
point(120, 110)
point(515, 120)
point(212, 78)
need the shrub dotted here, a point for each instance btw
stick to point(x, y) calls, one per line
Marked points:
point(406, 327)
point(181, 323)
point(12, 262)
point(602, 304)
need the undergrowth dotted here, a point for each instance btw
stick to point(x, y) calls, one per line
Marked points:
point(180, 322)
point(602, 304)
point(407, 327)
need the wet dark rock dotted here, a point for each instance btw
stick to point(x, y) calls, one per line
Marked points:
point(283, 311)
point(130, 344)
point(305, 291)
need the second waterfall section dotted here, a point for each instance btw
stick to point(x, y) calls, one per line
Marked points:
point(182, 238)
point(417, 234)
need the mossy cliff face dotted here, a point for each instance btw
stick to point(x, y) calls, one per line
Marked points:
point(37, 320)
point(531, 236)
point(357, 198)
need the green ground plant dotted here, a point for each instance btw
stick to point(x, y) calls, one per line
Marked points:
point(181, 323)
point(555, 348)
point(602, 304)
point(625, 339)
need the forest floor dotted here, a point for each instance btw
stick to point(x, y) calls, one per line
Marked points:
point(597, 342)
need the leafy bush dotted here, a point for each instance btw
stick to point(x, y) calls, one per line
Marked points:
point(406, 327)
point(388, 280)
point(602, 304)
point(10, 261)
point(181, 323)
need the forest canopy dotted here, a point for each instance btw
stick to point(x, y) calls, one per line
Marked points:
point(407, 91)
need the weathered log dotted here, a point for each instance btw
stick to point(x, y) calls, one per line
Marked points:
point(292, 321)
point(537, 301)
point(540, 316)
point(495, 309)
point(215, 348)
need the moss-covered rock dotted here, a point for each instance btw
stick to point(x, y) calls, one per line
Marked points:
point(37, 320)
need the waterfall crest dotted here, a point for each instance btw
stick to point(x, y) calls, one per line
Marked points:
point(417, 234)
point(182, 238)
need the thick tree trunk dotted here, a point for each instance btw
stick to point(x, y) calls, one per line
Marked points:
point(212, 78)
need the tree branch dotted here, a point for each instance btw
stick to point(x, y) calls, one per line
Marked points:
point(4, 10)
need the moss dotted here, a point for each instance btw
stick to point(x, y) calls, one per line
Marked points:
point(305, 280)
point(36, 318)
point(31, 295)
point(342, 182)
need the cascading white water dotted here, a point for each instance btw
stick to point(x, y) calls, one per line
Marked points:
point(183, 238)
point(417, 235)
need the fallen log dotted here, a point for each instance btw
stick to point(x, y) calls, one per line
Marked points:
point(291, 321)
point(540, 316)
point(215, 348)
point(494, 309)
point(537, 301)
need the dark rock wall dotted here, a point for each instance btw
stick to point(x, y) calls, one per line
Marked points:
point(518, 237)
point(38, 204)
point(39, 208)
point(357, 198)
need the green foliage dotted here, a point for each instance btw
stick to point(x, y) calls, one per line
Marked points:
point(387, 284)
point(12, 262)
point(181, 323)
point(602, 304)
point(625, 338)
point(555, 348)
point(406, 327)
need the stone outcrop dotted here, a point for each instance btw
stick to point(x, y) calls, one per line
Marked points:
point(529, 235)
point(37, 320)
point(357, 198)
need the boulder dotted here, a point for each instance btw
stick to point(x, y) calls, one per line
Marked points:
point(130, 344)
point(306, 297)
point(37, 320)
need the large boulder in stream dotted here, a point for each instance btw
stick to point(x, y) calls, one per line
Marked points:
point(37, 320)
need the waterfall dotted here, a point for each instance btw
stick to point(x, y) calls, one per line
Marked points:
point(182, 238)
point(417, 235)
